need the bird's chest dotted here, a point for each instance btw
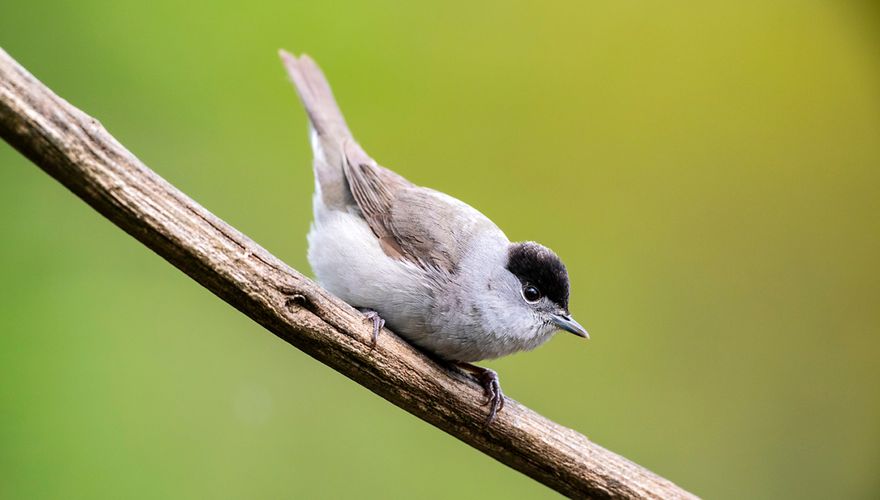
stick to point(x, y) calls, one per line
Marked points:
point(467, 327)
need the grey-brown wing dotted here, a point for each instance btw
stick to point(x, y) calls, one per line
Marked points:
point(434, 229)
point(414, 223)
point(374, 189)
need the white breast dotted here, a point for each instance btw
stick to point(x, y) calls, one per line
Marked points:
point(347, 260)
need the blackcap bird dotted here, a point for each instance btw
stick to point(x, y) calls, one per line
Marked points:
point(435, 270)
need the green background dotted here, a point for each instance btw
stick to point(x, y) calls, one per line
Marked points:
point(708, 172)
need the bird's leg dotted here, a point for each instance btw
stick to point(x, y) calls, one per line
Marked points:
point(492, 387)
point(378, 323)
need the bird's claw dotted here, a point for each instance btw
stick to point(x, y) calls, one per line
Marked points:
point(488, 379)
point(494, 397)
point(378, 323)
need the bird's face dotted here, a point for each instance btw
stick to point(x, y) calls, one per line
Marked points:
point(549, 315)
point(543, 288)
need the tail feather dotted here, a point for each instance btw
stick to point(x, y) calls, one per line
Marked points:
point(315, 93)
point(330, 137)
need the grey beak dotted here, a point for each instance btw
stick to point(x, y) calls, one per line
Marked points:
point(567, 323)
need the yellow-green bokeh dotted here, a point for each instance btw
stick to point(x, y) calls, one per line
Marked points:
point(710, 173)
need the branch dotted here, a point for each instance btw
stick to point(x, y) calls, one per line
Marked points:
point(77, 151)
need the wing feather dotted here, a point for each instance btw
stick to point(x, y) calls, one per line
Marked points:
point(413, 223)
point(374, 189)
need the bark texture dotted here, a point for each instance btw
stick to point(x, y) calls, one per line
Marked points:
point(77, 151)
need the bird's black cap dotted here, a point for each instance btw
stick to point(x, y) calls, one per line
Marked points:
point(537, 265)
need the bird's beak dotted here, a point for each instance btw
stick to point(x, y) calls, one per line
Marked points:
point(567, 323)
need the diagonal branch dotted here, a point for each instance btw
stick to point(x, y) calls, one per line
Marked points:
point(77, 151)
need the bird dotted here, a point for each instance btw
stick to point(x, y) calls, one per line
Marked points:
point(432, 268)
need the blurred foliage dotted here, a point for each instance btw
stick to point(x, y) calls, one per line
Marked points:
point(708, 171)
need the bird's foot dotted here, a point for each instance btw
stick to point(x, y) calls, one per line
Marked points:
point(491, 386)
point(378, 323)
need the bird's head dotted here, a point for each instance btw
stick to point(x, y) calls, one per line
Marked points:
point(543, 287)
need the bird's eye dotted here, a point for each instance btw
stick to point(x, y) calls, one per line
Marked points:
point(531, 294)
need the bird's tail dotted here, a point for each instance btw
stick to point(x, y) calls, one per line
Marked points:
point(330, 136)
point(315, 94)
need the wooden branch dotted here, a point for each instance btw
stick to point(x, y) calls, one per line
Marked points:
point(77, 151)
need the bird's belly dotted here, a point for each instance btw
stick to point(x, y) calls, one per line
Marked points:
point(470, 341)
point(348, 261)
